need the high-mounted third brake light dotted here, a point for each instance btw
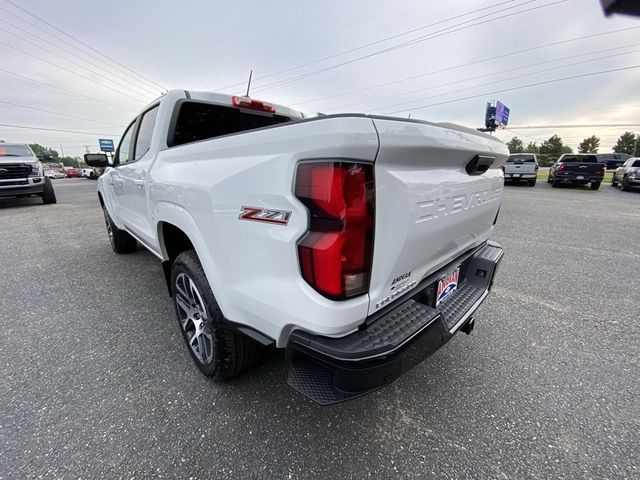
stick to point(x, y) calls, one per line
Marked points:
point(253, 104)
point(336, 252)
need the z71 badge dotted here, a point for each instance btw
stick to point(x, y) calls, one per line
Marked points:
point(257, 214)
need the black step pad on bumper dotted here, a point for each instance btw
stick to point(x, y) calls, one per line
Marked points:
point(331, 370)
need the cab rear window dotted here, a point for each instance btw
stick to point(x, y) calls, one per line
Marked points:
point(579, 159)
point(194, 121)
point(521, 158)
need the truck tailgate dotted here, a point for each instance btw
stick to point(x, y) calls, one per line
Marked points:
point(582, 168)
point(429, 209)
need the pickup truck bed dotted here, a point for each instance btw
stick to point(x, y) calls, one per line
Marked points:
point(307, 232)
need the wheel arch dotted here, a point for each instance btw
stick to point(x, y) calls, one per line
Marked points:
point(177, 232)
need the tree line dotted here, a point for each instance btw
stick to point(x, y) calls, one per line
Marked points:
point(550, 150)
point(48, 154)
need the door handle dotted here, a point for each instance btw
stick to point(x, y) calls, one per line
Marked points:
point(139, 183)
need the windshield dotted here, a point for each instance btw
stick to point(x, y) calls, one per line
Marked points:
point(579, 159)
point(14, 151)
point(521, 158)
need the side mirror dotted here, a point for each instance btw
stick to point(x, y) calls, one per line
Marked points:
point(98, 160)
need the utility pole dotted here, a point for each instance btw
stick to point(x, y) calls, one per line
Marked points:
point(635, 146)
point(61, 150)
point(86, 148)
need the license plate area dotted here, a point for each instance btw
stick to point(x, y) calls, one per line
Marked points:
point(447, 285)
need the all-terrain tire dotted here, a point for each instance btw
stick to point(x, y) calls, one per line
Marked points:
point(48, 194)
point(121, 241)
point(230, 352)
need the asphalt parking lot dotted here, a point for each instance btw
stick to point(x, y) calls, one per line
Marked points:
point(96, 381)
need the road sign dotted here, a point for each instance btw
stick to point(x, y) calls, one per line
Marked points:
point(106, 145)
point(502, 114)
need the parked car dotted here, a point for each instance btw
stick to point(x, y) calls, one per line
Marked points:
point(54, 174)
point(73, 172)
point(521, 167)
point(577, 169)
point(628, 175)
point(613, 160)
point(359, 244)
point(22, 174)
point(85, 172)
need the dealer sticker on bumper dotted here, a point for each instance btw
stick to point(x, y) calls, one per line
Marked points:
point(447, 285)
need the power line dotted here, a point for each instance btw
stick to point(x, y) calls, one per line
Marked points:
point(603, 125)
point(412, 101)
point(102, 55)
point(475, 62)
point(58, 113)
point(51, 52)
point(430, 36)
point(56, 130)
point(135, 82)
point(376, 42)
point(65, 90)
point(68, 70)
point(546, 82)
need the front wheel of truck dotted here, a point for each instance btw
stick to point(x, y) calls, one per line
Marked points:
point(216, 349)
point(48, 194)
point(121, 241)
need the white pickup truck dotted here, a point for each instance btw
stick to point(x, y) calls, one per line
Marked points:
point(359, 244)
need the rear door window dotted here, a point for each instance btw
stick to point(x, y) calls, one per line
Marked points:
point(145, 132)
point(200, 120)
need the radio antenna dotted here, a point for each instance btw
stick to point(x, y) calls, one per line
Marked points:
point(249, 84)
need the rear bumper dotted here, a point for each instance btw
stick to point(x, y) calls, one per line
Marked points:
point(573, 178)
point(520, 176)
point(331, 370)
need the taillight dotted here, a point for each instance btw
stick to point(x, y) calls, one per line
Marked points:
point(561, 167)
point(336, 252)
point(603, 167)
point(253, 104)
point(535, 169)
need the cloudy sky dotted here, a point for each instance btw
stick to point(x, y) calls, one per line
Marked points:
point(439, 61)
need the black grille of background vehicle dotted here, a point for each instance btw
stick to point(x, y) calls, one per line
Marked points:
point(17, 170)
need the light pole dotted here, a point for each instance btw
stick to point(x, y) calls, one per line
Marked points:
point(635, 146)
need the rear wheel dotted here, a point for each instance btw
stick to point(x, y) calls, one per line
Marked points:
point(121, 241)
point(532, 183)
point(218, 351)
point(48, 194)
point(555, 183)
point(595, 185)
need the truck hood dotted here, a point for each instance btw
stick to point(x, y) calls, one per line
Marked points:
point(8, 160)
